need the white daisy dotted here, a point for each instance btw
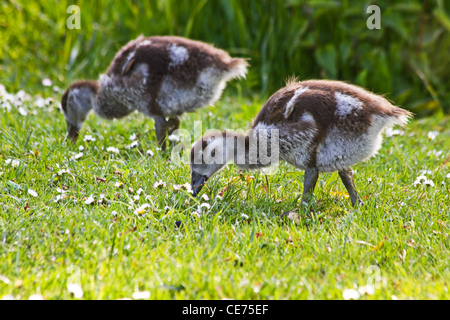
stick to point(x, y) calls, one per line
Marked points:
point(142, 209)
point(112, 150)
point(76, 290)
point(350, 294)
point(32, 193)
point(132, 145)
point(63, 171)
point(204, 205)
point(174, 138)
point(23, 111)
point(46, 82)
point(159, 184)
point(101, 198)
point(13, 162)
point(393, 132)
point(428, 183)
point(187, 186)
point(420, 179)
point(432, 134)
point(133, 137)
point(39, 102)
point(49, 101)
point(77, 156)
point(150, 153)
point(88, 138)
point(369, 289)
point(89, 200)
point(141, 295)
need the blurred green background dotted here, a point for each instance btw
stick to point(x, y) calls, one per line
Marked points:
point(407, 60)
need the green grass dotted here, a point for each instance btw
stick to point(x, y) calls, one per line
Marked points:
point(239, 248)
point(407, 59)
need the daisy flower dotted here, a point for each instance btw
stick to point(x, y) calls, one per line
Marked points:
point(142, 209)
point(63, 171)
point(393, 132)
point(13, 162)
point(46, 82)
point(112, 150)
point(132, 145)
point(174, 138)
point(141, 295)
point(76, 290)
point(77, 156)
point(101, 198)
point(89, 200)
point(39, 102)
point(23, 111)
point(350, 294)
point(204, 205)
point(88, 138)
point(432, 134)
point(159, 184)
point(32, 193)
point(150, 153)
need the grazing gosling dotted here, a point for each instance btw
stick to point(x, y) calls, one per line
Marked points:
point(320, 126)
point(161, 77)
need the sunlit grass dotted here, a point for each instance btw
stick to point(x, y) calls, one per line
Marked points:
point(406, 59)
point(89, 223)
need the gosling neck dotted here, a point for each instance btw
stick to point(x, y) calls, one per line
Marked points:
point(251, 151)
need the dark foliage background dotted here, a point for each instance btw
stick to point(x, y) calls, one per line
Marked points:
point(407, 60)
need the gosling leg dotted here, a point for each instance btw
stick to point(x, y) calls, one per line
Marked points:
point(347, 178)
point(161, 130)
point(173, 124)
point(311, 176)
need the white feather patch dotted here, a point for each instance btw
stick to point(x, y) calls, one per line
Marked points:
point(129, 58)
point(346, 104)
point(308, 117)
point(290, 105)
point(178, 55)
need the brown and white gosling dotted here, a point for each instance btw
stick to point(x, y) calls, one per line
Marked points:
point(321, 126)
point(161, 77)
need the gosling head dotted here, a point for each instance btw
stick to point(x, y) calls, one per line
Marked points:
point(209, 155)
point(76, 103)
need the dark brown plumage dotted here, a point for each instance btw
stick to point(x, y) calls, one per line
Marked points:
point(161, 77)
point(315, 125)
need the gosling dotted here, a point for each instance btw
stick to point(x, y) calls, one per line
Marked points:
point(319, 126)
point(161, 77)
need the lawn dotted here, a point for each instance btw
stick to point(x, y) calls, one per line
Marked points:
point(94, 222)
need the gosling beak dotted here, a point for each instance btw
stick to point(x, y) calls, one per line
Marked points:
point(197, 182)
point(72, 132)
